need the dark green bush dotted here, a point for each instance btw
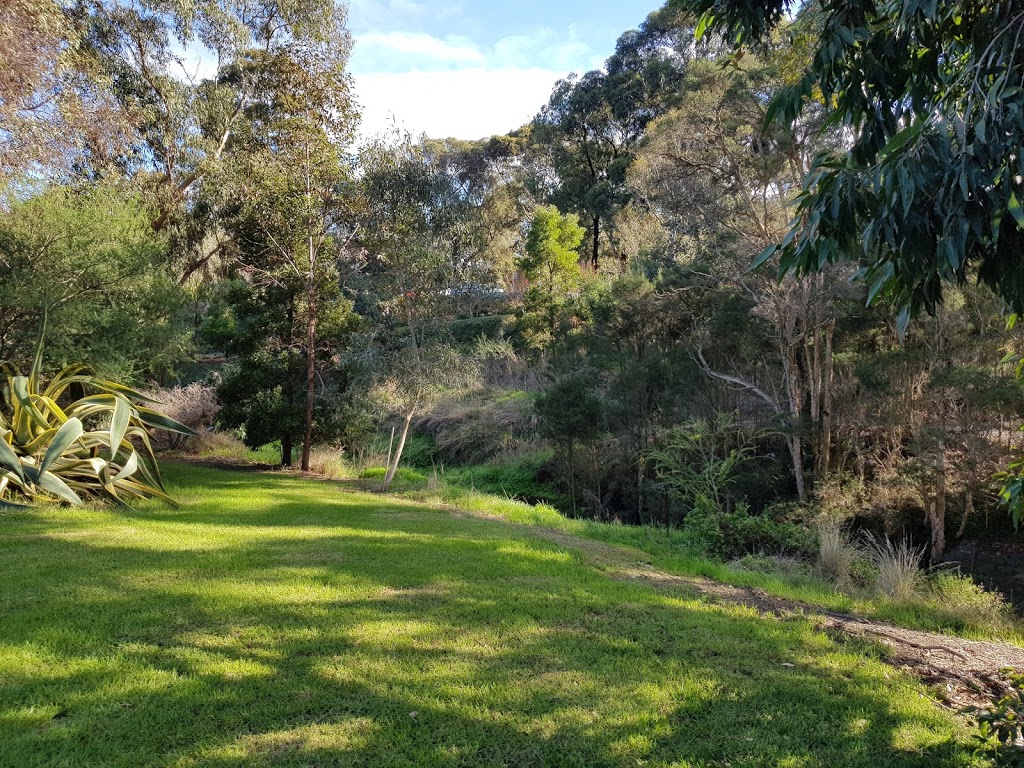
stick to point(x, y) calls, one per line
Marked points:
point(738, 533)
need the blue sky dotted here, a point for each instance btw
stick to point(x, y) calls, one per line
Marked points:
point(471, 69)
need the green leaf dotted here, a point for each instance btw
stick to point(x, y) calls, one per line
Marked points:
point(903, 321)
point(884, 277)
point(69, 432)
point(158, 420)
point(130, 467)
point(118, 424)
point(1015, 208)
point(9, 458)
point(763, 257)
point(703, 24)
point(901, 139)
point(50, 482)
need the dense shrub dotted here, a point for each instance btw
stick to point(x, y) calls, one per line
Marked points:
point(965, 602)
point(738, 533)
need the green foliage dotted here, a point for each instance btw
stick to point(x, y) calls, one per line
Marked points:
point(1001, 725)
point(702, 527)
point(700, 460)
point(929, 192)
point(738, 533)
point(47, 452)
point(89, 260)
point(514, 477)
point(552, 265)
point(470, 329)
point(569, 412)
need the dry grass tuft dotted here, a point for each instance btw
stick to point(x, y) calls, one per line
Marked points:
point(898, 564)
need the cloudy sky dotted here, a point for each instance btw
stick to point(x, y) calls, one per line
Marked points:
point(475, 68)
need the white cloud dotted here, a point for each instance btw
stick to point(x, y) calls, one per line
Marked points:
point(466, 104)
point(382, 47)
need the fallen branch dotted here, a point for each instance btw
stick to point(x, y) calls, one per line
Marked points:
point(904, 641)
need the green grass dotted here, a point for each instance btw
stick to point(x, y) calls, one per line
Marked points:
point(670, 551)
point(273, 620)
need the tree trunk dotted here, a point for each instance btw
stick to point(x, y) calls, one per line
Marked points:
point(286, 451)
point(937, 511)
point(797, 452)
point(597, 237)
point(572, 477)
point(393, 469)
point(307, 437)
point(968, 511)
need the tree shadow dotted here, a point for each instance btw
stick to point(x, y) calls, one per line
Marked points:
point(426, 640)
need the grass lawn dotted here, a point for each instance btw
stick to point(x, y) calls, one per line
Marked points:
point(273, 620)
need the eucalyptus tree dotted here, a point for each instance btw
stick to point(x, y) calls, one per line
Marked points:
point(412, 234)
point(593, 124)
point(282, 195)
point(929, 189)
point(55, 110)
point(721, 181)
point(188, 75)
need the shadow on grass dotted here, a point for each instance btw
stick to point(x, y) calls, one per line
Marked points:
point(370, 638)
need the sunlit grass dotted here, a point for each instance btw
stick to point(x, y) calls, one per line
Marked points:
point(669, 550)
point(273, 620)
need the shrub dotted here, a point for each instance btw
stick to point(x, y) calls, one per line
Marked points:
point(759, 534)
point(1001, 725)
point(897, 564)
point(967, 603)
point(194, 405)
point(738, 533)
point(702, 528)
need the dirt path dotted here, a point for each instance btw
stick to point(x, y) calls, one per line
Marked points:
point(965, 672)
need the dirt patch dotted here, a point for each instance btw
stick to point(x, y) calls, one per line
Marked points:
point(965, 672)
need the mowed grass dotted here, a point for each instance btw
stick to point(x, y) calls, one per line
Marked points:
point(272, 620)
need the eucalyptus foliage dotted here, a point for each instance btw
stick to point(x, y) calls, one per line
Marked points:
point(930, 95)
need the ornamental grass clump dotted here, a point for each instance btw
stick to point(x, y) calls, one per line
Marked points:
point(836, 554)
point(898, 564)
point(75, 438)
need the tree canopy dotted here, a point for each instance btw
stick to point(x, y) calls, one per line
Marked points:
point(928, 192)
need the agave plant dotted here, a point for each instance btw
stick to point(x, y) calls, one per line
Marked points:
point(78, 437)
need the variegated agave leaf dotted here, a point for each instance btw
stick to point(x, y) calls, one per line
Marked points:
point(47, 453)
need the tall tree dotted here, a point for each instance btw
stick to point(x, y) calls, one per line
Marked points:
point(551, 264)
point(183, 120)
point(54, 108)
point(281, 192)
point(593, 124)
